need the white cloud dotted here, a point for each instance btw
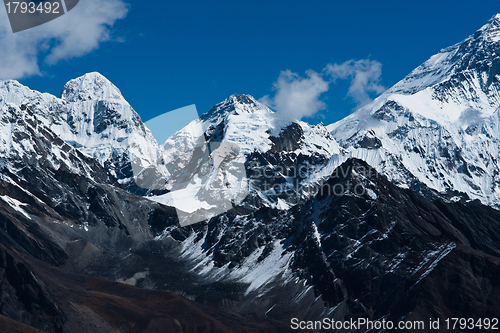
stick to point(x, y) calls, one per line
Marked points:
point(297, 97)
point(74, 34)
point(364, 75)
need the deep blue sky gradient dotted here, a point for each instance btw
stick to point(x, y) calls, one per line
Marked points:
point(170, 54)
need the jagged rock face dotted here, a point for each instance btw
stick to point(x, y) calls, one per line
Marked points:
point(377, 252)
point(288, 140)
point(55, 180)
point(284, 174)
point(52, 187)
point(440, 122)
point(367, 247)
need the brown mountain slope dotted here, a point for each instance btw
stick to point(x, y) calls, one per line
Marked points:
point(59, 301)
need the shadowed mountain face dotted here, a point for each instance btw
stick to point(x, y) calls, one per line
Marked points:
point(391, 253)
point(58, 301)
point(370, 250)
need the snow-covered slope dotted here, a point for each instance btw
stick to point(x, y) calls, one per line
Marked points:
point(209, 165)
point(92, 116)
point(105, 126)
point(205, 165)
point(25, 142)
point(439, 124)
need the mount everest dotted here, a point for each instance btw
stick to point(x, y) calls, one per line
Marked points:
point(439, 124)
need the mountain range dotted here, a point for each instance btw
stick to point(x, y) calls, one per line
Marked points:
point(243, 220)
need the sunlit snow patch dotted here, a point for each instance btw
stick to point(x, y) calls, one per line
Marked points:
point(17, 205)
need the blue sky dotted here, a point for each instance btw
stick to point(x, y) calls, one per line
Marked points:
point(164, 55)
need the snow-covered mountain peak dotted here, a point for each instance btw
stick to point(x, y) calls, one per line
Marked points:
point(10, 84)
point(439, 124)
point(491, 30)
point(240, 103)
point(13, 92)
point(91, 115)
point(234, 104)
point(475, 59)
point(91, 86)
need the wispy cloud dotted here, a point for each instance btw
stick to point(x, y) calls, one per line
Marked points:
point(364, 75)
point(74, 34)
point(297, 97)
